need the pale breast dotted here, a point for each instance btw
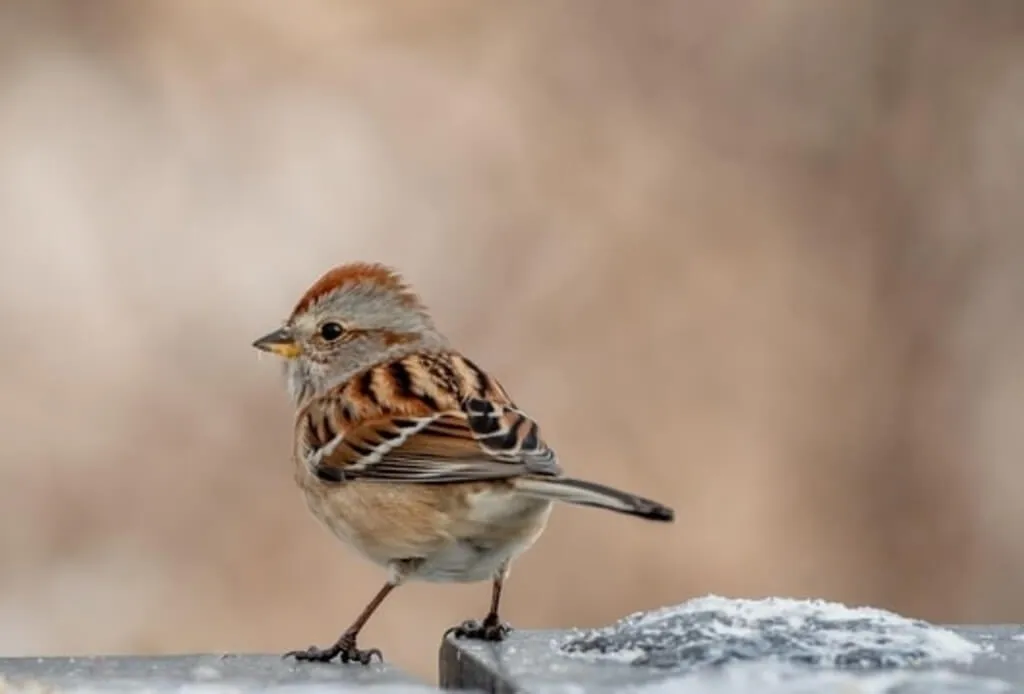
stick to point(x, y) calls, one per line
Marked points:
point(385, 522)
point(463, 532)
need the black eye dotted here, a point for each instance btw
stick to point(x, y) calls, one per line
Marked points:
point(331, 331)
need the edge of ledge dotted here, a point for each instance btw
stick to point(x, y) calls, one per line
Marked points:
point(182, 672)
point(460, 670)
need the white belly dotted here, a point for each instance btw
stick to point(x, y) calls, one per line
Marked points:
point(463, 562)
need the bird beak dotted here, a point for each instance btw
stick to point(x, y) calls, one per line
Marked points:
point(280, 342)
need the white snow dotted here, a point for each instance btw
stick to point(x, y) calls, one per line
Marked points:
point(715, 630)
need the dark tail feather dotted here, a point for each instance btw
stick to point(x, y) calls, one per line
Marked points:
point(592, 494)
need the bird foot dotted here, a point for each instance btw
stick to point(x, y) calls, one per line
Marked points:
point(344, 650)
point(488, 630)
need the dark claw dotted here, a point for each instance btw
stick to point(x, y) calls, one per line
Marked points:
point(361, 656)
point(489, 630)
point(313, 655)
point(344, 650)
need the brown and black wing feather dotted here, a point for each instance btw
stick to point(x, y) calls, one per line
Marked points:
point(427, 419)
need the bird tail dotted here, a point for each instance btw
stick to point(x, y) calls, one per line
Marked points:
point(585, 493)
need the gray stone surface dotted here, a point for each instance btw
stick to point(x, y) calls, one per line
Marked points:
point(533, 662)
point(210, 674)
point(734, 647)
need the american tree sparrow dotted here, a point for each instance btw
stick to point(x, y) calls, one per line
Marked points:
point(411, 453)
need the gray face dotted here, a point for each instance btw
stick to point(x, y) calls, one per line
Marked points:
point(350, 329)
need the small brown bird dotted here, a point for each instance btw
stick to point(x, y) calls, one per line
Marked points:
point(411, 453)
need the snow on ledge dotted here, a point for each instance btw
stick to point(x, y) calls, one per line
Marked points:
point(713, 631)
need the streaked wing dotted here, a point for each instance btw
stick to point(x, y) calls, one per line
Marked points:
point(480, 440)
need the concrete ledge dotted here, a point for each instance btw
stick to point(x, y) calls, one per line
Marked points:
point(707, 646)
point(741, 647)
point(532, 662)
point(529, 661)
point(211, 674)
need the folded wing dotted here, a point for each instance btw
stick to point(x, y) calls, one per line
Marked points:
point(481, 440)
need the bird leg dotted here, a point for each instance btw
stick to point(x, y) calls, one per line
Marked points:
point(345, 647)
point(492, 628)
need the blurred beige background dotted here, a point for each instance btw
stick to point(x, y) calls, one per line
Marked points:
point(759, 260)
